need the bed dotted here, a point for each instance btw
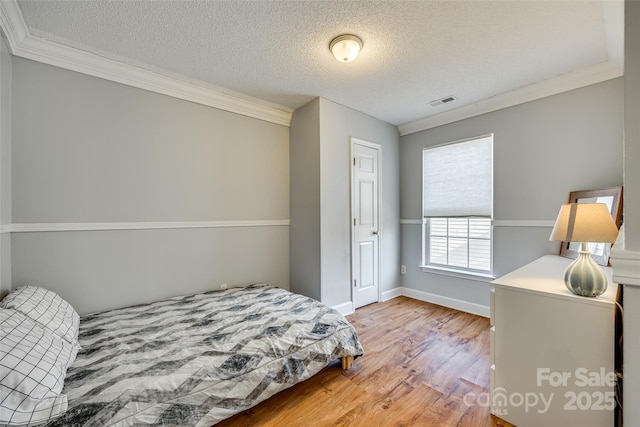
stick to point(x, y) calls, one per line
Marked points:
point(196, 360)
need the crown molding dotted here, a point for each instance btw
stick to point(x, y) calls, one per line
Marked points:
point(564, 83)
point(24, 45)
point(12, 23)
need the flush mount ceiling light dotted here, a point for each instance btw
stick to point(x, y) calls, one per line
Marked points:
point(345, 47)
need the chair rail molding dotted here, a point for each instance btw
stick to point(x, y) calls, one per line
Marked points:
point(497, 222)
point(110, 226)
point(625, 263)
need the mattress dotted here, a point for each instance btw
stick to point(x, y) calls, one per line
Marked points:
point(198, 359)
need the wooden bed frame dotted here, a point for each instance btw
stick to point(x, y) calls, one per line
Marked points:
point(347, 362)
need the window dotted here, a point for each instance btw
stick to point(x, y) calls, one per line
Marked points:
point(457, 206)
point(460, 243)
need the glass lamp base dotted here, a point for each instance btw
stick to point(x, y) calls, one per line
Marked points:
point(584, 276)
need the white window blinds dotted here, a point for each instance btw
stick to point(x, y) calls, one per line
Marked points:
point(458, 179)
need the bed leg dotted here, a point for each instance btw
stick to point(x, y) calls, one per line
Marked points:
point(347, 362)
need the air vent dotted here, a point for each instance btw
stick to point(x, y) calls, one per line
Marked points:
point(442, 100)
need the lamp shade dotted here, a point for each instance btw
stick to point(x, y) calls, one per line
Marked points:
point(584, 222)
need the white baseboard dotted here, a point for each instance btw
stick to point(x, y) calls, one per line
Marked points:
point(391, 294)
point(468, 307)
point(456, 304)
point(344, 309)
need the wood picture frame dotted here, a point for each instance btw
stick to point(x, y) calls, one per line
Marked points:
point(612, 196)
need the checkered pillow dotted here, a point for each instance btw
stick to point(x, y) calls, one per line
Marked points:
point(33, 365)
point(47, 308)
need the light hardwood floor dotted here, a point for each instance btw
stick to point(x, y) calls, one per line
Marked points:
point(423, 365)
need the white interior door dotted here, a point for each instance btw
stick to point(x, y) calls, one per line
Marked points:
point(366, 231)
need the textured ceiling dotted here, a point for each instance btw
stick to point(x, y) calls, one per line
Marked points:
point(414, 51)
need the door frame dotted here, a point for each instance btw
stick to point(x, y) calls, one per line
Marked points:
point(377, 147)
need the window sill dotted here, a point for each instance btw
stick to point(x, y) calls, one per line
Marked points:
point(469, 275)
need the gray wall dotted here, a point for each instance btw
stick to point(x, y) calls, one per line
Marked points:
point(632, 214)
point(304, 268)
point(86, 150)
point(5, 167)
point(632, 127)
point(338, 125)
point(320, 176)
point(542, 150)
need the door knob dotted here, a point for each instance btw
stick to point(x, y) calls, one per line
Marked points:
point(375, 232)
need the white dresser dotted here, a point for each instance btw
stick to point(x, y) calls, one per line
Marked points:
point(551, 351)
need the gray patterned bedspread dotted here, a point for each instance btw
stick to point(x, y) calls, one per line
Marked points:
point(196, 360)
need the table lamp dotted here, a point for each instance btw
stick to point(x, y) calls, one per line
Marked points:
point(585, 222)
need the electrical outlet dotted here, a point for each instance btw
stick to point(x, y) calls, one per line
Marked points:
point(403, 269)
point(223, 286)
